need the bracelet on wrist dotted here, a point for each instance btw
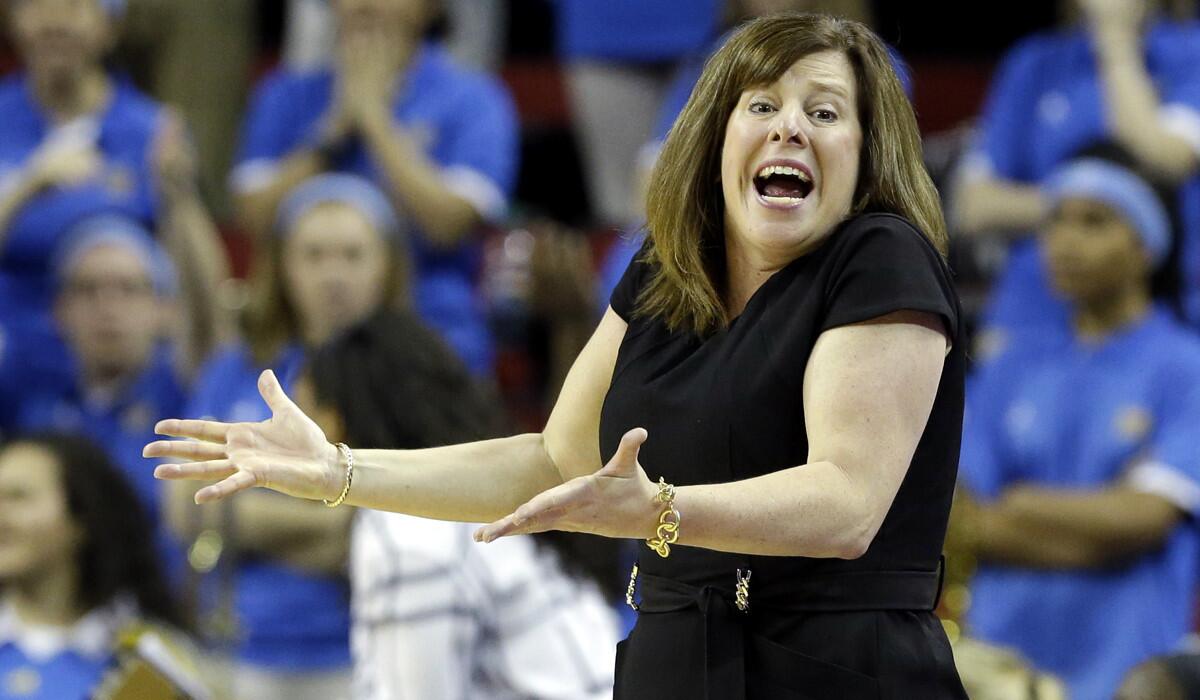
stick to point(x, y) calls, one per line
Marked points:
point(348, 457)
point(668, 521)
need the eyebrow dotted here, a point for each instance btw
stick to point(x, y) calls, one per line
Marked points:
point(836, 88)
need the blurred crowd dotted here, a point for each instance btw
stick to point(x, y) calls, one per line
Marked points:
point(179, 211)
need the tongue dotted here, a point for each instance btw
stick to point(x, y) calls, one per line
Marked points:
point(777, 186)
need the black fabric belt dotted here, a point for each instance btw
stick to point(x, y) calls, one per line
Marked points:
point(725, 637)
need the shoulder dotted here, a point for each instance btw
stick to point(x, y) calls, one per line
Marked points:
point(881, 232)
point(1041, 48)
point(438, 70)
point(135, 108)
point(12, 94)
point(283, 85)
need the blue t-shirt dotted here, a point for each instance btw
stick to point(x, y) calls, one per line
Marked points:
point(465, 122)
point(634, 30)
point(1066, 414)
point(122, 424)
point(287, 619)
point(124, 132)
point(1046, 103)
point(66, 675)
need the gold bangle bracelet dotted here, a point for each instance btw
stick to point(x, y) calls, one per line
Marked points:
point(344, 450)
point(668, 522)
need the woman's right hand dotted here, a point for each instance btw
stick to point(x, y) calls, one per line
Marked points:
point(287, 453)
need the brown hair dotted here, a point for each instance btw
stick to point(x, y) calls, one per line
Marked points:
point(270, 321)
point(685, 208)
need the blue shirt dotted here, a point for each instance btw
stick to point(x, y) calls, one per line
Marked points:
point(467, 125)
point(122, 424)
point(634, 30)
point(1067, 414)
point(68, 675)
point(124, 132)
point(1045, 104)
point(288, 619)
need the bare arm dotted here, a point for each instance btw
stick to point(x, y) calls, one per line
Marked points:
point(1073, 529)
point(256, 207)
point(474, 481)
point(987, 204)
point(417, 185)
point(868, 392)
point(445, 482)
point(1133, 105)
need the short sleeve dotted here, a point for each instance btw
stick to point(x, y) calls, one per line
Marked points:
point(983, 467)
point(884, 264)
point(625, 294)
point(481, 161)
point(1171, 468)
point(1004, 123)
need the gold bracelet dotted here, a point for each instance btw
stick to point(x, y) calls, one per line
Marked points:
point(349, 457)
point(668, 522)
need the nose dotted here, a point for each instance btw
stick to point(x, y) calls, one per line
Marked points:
point(787, 127)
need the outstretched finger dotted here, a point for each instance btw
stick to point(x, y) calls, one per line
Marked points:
point(206, 430)
point(226, 487)
point(206, 471)
point(540, 513)
point(624, 461)
point(273, 393)
point(189, 450)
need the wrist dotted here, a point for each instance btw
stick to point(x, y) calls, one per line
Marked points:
point(335, 472)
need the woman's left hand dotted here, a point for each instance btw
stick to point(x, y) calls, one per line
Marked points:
point(619, 500)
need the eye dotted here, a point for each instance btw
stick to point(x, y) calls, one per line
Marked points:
point(824, 115)
point(761, 107)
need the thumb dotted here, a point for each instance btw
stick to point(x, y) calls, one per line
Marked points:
point(624, 461)
point(272, 392)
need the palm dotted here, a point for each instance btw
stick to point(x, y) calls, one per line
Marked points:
point(287, 453)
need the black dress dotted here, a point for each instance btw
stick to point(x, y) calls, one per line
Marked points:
point(728, 407)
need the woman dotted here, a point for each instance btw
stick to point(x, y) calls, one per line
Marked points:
point(1081, 450)
point(336, 257)
point(81, 596)
point(475, 629)
point(787, 342)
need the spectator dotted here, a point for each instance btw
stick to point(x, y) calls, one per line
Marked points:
point(620, 56)
point(439, 140)
point(1125, 74)
point(75, 141)
point(1080, 450)
point(437, 615)
point(336, 257)
point(82, 603)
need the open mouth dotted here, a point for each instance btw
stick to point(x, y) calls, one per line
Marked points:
point(782, 184)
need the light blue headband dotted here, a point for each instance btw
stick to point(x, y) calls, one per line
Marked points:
point(1123, 190)
point(343, 188)
point(115, 229)
point(114, 8)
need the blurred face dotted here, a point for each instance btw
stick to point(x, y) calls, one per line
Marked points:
point(408, 17)
point(108, 311)
point(335, 267)
point(789, 166)
point(37, 533)
point(60, 36)
point(1091, 252)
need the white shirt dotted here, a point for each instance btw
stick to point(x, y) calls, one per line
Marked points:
point(437, 615)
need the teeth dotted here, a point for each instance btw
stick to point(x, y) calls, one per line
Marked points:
point(782, 200)
point(770, 170)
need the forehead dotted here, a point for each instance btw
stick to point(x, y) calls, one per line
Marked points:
point(109, 261)
point(824, 70)
point(32, 466)
point(332, 223)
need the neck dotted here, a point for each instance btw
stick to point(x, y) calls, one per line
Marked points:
point(1095, 319)
point(108, 379)
point(50, 598)
point(67, 96)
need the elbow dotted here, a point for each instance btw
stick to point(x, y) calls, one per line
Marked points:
point(854, 540)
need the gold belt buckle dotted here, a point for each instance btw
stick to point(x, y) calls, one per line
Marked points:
point(742, 595)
